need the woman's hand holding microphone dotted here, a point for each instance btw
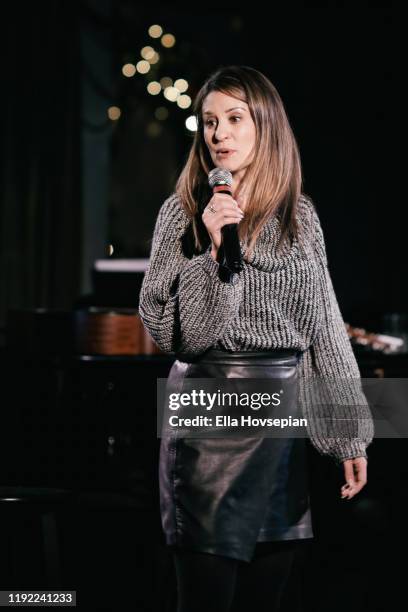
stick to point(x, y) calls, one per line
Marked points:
point(221, 210)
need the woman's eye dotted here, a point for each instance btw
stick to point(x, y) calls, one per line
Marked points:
point(211, 121)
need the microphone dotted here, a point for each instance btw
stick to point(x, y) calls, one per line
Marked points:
point(220, 181)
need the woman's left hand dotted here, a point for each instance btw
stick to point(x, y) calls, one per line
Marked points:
point(355, 475)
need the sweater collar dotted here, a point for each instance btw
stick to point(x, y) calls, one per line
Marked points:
point(265, 256)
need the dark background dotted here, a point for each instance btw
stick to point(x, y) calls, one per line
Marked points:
point(73, 181)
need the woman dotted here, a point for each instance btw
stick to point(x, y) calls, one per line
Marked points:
point(234, 509)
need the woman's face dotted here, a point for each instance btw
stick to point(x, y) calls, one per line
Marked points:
point(228, 125)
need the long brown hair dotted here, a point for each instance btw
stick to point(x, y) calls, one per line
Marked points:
point(273, 180)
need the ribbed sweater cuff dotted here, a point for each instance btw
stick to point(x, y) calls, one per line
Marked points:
point(350, 449)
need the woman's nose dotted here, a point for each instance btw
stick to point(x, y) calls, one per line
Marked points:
point(221, 132)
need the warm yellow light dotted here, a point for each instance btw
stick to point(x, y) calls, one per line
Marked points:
point(191, 123)
point(181, 85)
point(168, 40)
point(128, 70)
point(155, 58)
point(171, 94)
point(147, 53)
point(154, 88)
point(166, 82)
point(143, 66)
point(155, 31)
point(161, 113)
point(184, 101)
point(109, 249)
point(114, 113)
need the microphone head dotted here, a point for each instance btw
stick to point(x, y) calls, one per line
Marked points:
point(219, 176)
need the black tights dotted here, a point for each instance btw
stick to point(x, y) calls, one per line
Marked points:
point(212, 582)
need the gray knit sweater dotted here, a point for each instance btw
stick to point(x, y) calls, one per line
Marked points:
point(278, 300)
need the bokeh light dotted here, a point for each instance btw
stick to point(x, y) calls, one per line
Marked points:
point(171, 94)
point(168, 40)
point(147, 53)
point(155, 58)
point(184, 101)
point(143, 66)
point(181, 85)
point(154, 88)
point(155, 31)
point(114, 113)
point(128, 70)
point(166, 82)
point(191, 123)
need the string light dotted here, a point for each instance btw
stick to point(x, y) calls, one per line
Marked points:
point(143, 66)
point(191, 123)
point(147, 53)
point(114, 113)
point(184, 101)
point(166, 82)
point(181, 85)
point(171, 94)
point(155, 31)
point(155, 58)
point(174, 91)
point(154, 88)
point(168, 40)
point(129, 70)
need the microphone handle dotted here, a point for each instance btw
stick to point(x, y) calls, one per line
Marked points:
point(230, 248)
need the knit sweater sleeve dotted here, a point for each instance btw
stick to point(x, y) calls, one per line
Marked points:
point(183, 303)
point(337, 406)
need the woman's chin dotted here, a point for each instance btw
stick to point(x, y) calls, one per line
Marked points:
point(227, 164)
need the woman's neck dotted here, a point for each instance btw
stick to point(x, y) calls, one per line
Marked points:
point(238, 189)
point(240, 195)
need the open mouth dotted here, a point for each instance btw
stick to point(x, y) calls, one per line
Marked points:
point(225, 153)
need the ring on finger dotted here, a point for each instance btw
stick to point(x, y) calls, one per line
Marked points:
point(211, 207)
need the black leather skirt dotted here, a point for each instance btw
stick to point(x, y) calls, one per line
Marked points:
point(221, 496)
